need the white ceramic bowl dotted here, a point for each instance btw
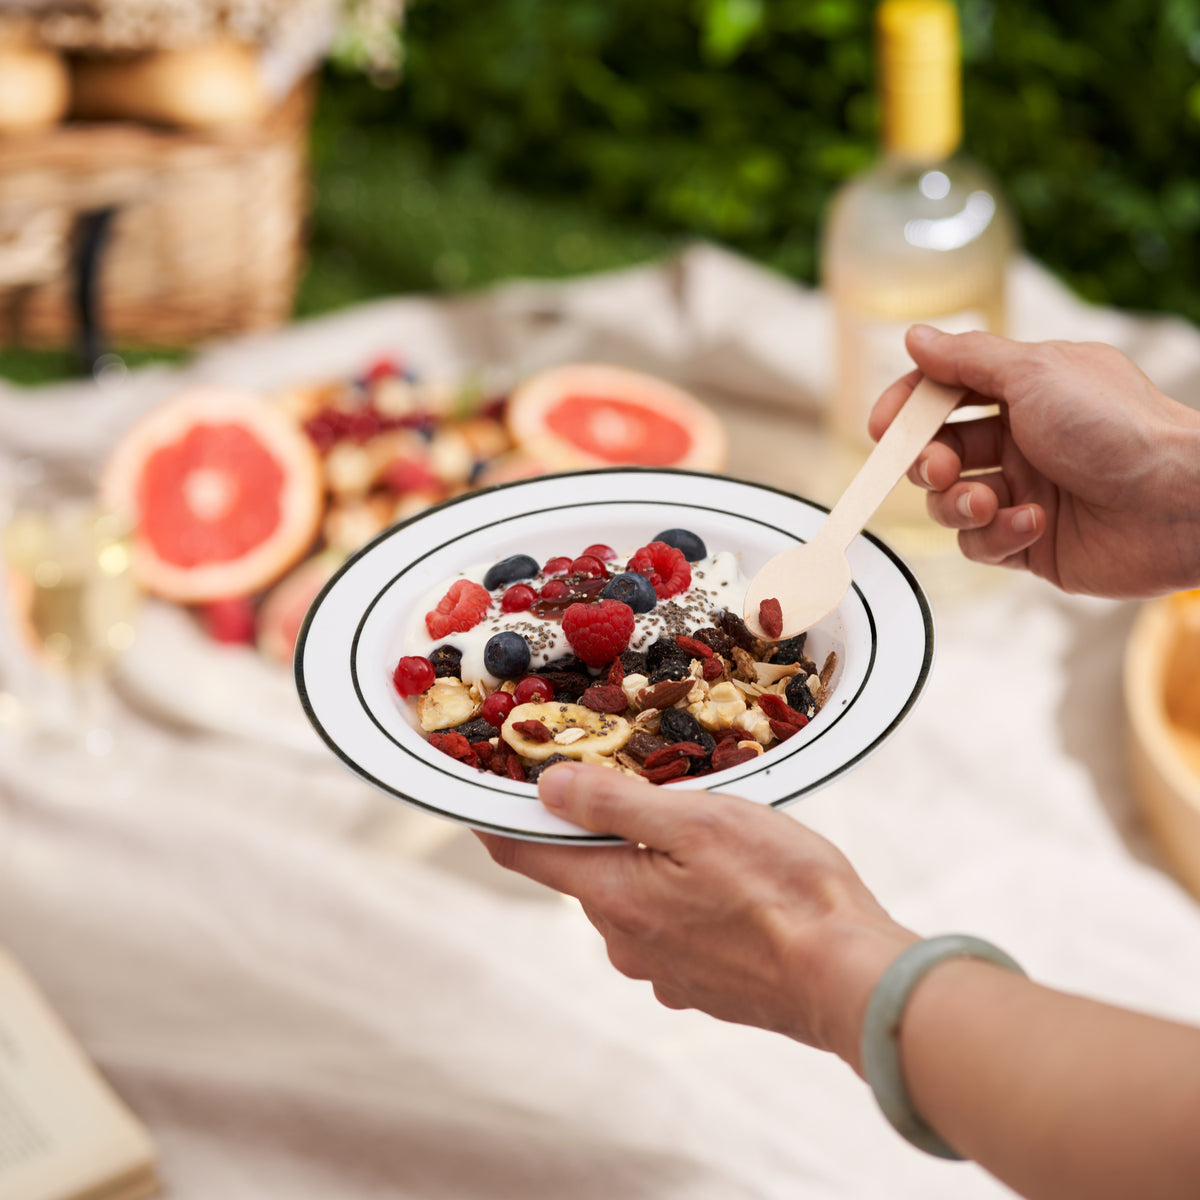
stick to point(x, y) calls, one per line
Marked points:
point(882, 632)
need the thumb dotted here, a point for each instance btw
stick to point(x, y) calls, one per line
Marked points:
point(984, 363)
point(607, 801)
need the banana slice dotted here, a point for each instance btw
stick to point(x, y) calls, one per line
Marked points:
point(448, 702)
point(578, 732)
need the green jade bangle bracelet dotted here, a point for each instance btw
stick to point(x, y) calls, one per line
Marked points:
point(881, 1030)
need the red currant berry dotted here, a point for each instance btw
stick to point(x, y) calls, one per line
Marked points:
point(533, 689)
point(518, 598)
point(601, 551)
point(413, 675)
point(555, 589)
point(557, 566)
point(589, 567)
point(496, 707)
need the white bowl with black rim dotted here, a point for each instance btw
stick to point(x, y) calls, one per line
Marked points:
point(882, 633)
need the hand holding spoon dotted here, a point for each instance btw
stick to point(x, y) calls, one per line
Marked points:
point(810, 580)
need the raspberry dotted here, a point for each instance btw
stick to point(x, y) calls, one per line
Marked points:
point(460, 609)
point(666, 568)
point(598, 632)
point(230, 621)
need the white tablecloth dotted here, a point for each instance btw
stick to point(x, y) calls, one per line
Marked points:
point(306, 991)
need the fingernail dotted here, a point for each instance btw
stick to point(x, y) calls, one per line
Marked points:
point(1024, 520)
point(963, 505)
point(922, 334)
point(923, 471)
point(552, 787)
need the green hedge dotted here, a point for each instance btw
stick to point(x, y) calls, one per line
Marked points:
point(736, 119)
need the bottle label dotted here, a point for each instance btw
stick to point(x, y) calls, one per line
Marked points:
point(874, 356)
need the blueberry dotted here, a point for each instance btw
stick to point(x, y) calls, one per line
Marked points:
point(506, 655)
point(685, 540)
point(632, 589)
point(509, 570)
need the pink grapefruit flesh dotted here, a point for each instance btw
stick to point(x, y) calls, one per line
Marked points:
point(598, 415)
point(225, 492)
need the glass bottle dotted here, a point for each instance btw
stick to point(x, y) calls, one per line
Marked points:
point(923, 236)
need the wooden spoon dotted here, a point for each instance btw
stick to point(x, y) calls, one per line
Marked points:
point(810, 580)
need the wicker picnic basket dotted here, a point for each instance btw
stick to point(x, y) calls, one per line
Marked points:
point(152, 237)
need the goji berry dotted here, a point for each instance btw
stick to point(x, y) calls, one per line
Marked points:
point(694, 648)
point(770, 617)
point(667, 772)
point(605, 699)
point(729, 754)
point(674, 752)
point(534, 730)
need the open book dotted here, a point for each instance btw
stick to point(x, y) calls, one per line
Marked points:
point(64, 1134)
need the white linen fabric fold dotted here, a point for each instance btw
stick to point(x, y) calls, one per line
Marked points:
point(306, 991)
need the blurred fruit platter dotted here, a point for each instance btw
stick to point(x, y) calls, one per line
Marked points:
point(243, 505)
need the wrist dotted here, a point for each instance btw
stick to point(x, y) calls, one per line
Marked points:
point(839, 971)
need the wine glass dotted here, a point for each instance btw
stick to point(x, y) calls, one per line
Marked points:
point(71, 603)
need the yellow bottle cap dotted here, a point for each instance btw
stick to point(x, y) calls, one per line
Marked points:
point(919, 77)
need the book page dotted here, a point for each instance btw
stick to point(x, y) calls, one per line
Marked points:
point(63, 1131)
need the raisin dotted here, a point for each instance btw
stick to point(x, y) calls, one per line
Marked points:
point(800, 698)
point(476, 730)
point(660, 649)
point(790, 650)
point(565, 662)
point(675, 666)
point(715, 640)
point(633, 662)
point(642, 744)
point(707, 743)
point(568, 685)
point(733, 626)
point(535, 772)
point(677, 725)
point(447, 662)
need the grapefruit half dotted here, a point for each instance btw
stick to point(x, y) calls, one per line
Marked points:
point(595, 415)
point(225, 494)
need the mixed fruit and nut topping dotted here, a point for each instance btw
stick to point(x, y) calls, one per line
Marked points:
point(642, 664)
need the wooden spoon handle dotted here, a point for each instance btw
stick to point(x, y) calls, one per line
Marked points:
point(923, 414)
